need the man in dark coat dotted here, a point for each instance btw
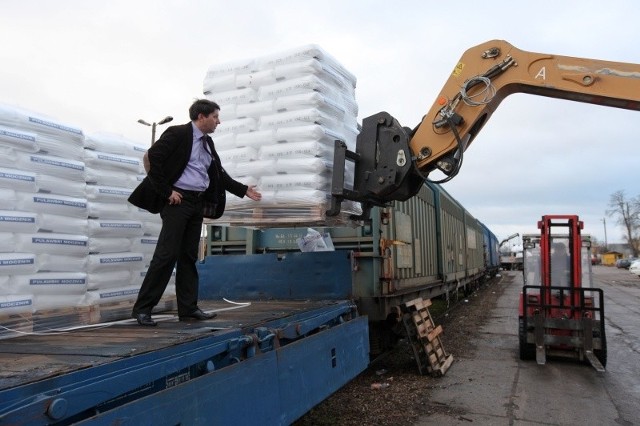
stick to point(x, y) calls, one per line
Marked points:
point(185, 182)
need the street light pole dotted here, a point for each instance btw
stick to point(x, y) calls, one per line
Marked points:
point(165, 120)
point(604, 221)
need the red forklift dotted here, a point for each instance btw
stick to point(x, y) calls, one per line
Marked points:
point(560, 313)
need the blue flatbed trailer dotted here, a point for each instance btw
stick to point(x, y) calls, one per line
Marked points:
point(267, 362)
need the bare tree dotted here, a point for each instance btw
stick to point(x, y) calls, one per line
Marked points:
point(627, 214)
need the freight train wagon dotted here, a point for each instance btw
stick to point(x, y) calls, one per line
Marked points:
point(491, 251)
point(266, 363)
point(287, 336)
point(427, 246)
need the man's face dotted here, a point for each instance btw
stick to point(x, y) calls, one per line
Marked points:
point(209, 122)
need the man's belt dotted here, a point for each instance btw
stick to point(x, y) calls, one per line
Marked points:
point(190, 193)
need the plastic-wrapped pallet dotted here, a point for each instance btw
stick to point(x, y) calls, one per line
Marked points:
point(114, 166)
point(44, 221)
point(33, 132)
point(280, 117)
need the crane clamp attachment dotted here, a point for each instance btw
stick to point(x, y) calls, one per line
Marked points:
point(382, 165)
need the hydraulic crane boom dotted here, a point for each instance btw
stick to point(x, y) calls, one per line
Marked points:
point(392, 162)
point(510, 237)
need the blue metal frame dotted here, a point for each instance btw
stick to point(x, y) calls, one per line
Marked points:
point(317, 276)
point(279, 371)
point(275, 388)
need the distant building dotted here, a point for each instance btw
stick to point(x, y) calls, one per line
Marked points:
point(625, 249)
point(609, 258)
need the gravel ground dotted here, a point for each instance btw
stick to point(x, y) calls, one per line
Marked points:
point(391, 391)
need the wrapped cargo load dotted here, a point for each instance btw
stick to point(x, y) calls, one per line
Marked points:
point(280, 117)
point(67, 232)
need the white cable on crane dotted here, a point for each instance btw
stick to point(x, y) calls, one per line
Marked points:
point(488, 92)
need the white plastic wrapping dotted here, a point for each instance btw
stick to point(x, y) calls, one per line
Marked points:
point(55, 308)
point(62, 224)
point(7, 242)
point(256, 169)
point(302, 165)
point(237, 125)
point(305, 149)
point(300, 197)
point(113, 194)
point(108, 161)
point(151, 227)
point(101, 210)
point(15, 304)
point(301, 54)
point(255, 139)
point(57, 147)
point(299, 117)
point(55, 166)
point(219, 83)
point(115, 228)
point(18, 180)
point(52, 204)
point(18, 221)
point(108, 279)
point(137, 277)
point(114, 144)
point(102, 245)
point(144, 244)
point(98, 176)
point(111, 295)
point(44, 242)
point(20, 118)
point(288, 110)
point(19, 139)
point(256, 79)
point(52, 257)
point(294, 181)
point(254, 109)
point(44, 283)
point(114, 261)
point(239, 96)
point(306, 84)
point(225, 141)
point(243, 65)
point(17, 263)
point(48, 262)
point(237, 155)
point(61, 186)
point(310, 100)
point(8, 157)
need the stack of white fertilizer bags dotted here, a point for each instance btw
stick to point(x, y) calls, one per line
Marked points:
point(43, 221)
point(122, 238)
point(69, 240)
point(280, 116)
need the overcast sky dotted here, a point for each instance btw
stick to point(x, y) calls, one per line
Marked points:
point(102, 65)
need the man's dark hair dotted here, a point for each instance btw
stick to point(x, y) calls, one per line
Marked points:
point(202, 106)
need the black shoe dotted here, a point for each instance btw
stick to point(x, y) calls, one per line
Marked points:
point(197, 315)
point(144, 320)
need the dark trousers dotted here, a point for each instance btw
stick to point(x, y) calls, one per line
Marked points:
point(177, 246)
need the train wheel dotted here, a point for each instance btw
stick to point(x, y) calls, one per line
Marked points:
point(527, 350)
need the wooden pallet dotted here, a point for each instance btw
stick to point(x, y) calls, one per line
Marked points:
point(424, 338)
point(15, 325)
point(49, 320)
point(121, 310)
point(72, 316)
point(283, 215)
